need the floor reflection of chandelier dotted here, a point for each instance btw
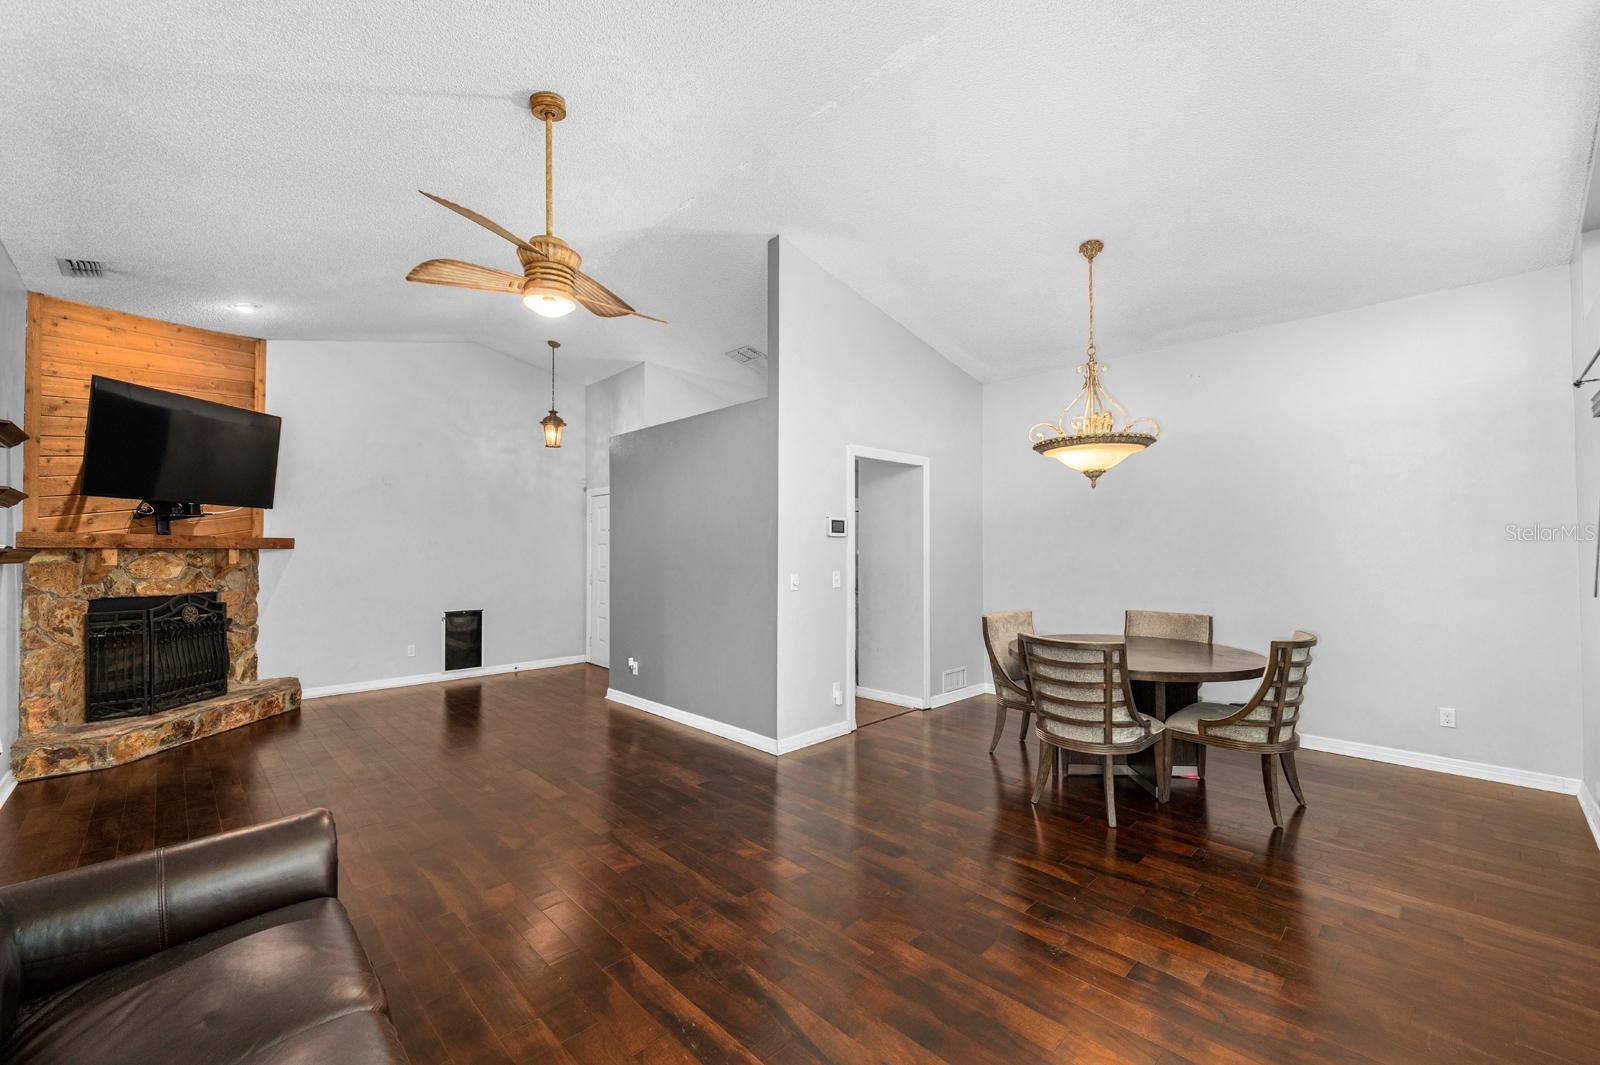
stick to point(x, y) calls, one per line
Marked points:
point(1094, 432)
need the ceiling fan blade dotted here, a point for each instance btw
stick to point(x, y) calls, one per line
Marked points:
point(601, 300)
point(458, 274)
point(494, 227)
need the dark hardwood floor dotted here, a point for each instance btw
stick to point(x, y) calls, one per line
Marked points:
point(870, 711)
point(542, 876)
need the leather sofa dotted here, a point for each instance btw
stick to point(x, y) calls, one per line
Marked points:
point(230, 949)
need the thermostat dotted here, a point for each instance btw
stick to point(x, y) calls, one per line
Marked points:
point(835, 526)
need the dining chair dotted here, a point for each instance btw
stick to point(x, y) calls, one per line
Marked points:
point(1267, 725)
point(1196, 628)
point(1010, 680)
point(1082, 703)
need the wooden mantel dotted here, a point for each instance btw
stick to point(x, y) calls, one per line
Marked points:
point(148, 541)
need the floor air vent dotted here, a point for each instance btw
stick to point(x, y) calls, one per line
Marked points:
point(463, 639)
point(81, 267)
point(955, 679)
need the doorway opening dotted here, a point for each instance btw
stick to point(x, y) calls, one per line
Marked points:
point(887, 601)
point(597, 626)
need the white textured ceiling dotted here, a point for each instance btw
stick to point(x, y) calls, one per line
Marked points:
point(1245, 162)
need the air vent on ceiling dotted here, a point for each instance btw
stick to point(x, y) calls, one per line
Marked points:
point(746, 355)
point(81, 267)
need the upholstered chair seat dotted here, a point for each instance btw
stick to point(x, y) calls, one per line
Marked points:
point(1088, 733)
point(1252, 728)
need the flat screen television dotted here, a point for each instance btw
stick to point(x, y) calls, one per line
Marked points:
point(176, 452)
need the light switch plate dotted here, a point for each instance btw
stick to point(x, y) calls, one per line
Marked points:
point(794, 582)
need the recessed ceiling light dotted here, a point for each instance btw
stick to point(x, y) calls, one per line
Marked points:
point(244, 308)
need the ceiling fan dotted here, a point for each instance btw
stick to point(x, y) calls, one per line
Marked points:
point(550, 283)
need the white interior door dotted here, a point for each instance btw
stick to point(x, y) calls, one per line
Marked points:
point(600, 578)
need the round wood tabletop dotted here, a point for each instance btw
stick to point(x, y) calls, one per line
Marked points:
point(1177, 661)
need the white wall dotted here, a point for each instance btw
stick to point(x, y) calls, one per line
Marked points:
point(849, 374)
point(13, 322)
point(415, 480)
point(1585, 291)
point(613, 405)
point(644, 395)
point(1352, 474)
point(889, 576)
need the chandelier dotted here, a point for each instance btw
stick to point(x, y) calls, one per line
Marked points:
point(1094, 432)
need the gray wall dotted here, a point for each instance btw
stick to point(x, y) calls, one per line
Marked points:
point(693, 552)
point(889, 575)
point(850, 374)
point(415, 480)
point(1353, 474)
point(13, 319)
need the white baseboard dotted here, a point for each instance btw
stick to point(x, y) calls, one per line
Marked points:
point(1591, 811)
point(435, 678)
point(814, 736)
point(762, 743)
point(962, 693)
point(1522, 778)
point(892, 698)
point(8, 784)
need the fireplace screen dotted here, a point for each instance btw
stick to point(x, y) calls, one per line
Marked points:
point(150, 653)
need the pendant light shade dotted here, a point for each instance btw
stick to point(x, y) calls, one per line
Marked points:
point(1094, 432)
point(553, 425)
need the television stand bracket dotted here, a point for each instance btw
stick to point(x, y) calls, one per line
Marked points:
point(164, 513)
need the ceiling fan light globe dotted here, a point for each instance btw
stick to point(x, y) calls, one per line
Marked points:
point(549, 304)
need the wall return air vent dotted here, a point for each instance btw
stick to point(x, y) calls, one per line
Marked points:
point(81, 267)
point(746, 355)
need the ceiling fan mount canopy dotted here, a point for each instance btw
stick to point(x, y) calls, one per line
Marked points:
point(550, 283)
point(547, 105)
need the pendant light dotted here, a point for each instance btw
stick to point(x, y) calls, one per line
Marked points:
point(553, 425)
point(1094, 432)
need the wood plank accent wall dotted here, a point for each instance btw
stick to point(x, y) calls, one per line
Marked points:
point(67, 344)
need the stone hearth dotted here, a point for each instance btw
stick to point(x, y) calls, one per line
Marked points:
point(57, 586)
point(77, 748)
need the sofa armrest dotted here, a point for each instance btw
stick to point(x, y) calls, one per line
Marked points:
point(72, 925)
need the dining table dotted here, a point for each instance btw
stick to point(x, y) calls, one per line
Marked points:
point(1165, 676)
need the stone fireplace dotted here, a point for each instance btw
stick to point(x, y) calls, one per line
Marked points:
point(56, 734)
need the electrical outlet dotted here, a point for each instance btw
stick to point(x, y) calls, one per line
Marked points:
point(1447, 717)
point(838, 694)
point(633, 666)
point(837, 579)
point(411, 650)
point(794, 582)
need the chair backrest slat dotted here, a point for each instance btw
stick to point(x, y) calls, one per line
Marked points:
point(1082, 683)
point(1276, 704)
